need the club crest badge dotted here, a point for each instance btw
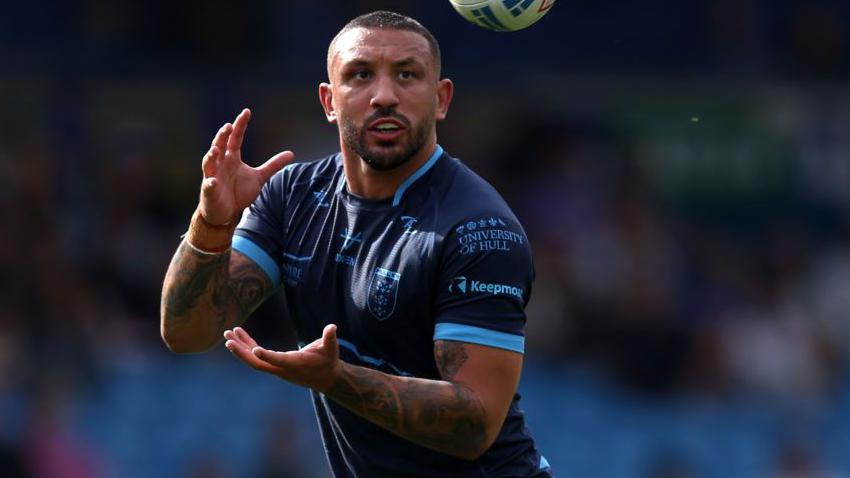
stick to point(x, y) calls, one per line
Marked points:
point(383, 292)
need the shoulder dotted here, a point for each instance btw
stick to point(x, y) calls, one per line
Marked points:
point(295, 174)
point(474, 220)
point(298, 181)
point(466, 196)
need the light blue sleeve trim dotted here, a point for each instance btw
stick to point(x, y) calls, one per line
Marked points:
point(258, 255)
point(417, 174)
point(544, 464)
point(479, 335)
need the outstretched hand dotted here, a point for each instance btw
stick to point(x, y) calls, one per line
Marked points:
point(230, 185)
point(314, 366)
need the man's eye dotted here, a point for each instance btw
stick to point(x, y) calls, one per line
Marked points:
point(361, 75)
point(406, 75)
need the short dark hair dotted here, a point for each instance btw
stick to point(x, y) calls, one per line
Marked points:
point(392, 21)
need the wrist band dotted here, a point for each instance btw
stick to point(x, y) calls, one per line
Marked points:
point(207, 237)
point(202, 252)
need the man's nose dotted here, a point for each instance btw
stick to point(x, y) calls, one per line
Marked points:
point(384, 95)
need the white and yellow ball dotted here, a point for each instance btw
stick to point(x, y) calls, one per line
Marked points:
point(503, 15)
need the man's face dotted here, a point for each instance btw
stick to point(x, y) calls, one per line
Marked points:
point(384, 94)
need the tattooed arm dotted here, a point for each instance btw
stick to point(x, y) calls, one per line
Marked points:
point(205, 294)
point(460, 415)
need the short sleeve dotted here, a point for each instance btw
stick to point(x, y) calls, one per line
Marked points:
point(485, 279)
point(259, 234)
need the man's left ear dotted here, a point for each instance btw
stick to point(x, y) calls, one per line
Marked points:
point(445, 89)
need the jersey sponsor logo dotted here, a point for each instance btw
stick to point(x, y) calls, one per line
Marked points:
point(480, 223)
point(344, 259)
point(292, 273)
point(348, 240)
point(408, 222)
point(463, 285)
point(293, 268)
point(383, 292)
point(458, 283)
point(489, 234)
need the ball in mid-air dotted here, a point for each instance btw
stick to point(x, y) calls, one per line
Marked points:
point(503, 15)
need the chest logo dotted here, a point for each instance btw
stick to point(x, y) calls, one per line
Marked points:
point(383, 292)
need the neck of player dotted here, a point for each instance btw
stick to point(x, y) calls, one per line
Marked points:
point(367, 182)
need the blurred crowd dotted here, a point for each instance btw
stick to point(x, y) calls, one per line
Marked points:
point(687, 201)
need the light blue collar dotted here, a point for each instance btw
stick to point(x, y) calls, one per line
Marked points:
point(438, 151)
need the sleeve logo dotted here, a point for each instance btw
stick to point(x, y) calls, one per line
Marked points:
point(488, 234)
point(462, 285)
point(458, 283)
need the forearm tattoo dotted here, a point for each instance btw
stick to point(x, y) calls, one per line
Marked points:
point(440, 415)
point(210, 293)
point(189, 277)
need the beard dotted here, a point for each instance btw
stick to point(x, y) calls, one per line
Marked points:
point(387, 155)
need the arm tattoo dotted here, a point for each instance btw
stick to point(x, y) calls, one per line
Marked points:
point(363, 392)
point(205, 294)
point(450, 357)
point(191, 274)
point(248, 284)
point(441, 415)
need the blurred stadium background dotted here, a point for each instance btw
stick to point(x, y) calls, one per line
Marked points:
point(682, 169)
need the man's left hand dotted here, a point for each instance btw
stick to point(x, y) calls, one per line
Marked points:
point(314, 366)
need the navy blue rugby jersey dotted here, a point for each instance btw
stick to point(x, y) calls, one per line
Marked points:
point(443, 259)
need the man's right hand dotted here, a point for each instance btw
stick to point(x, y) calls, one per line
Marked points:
point(208, 288)
point(229, 185)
